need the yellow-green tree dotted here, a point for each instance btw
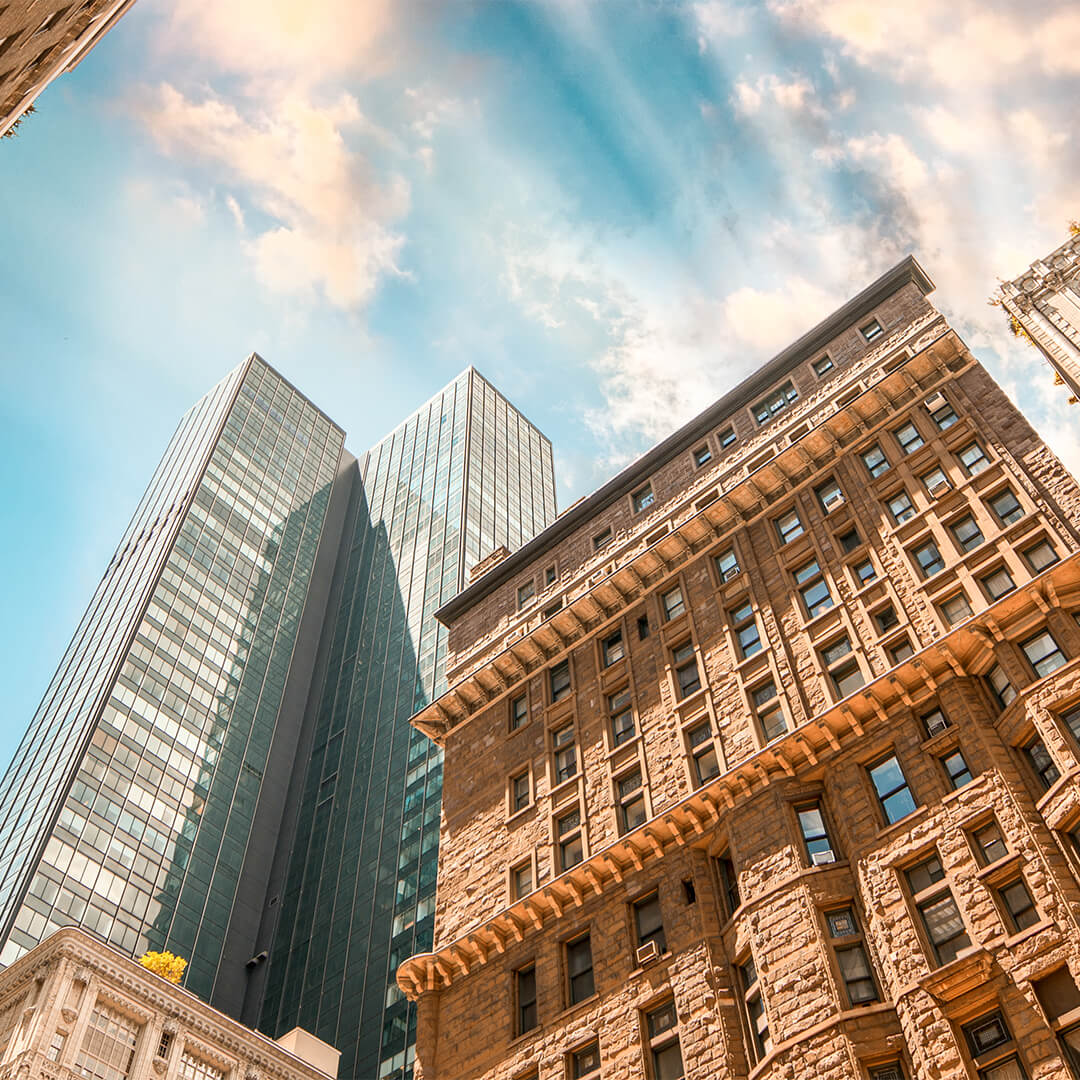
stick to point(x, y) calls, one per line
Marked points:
point(164, 964)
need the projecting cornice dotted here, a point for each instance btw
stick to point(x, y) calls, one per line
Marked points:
point(799, 752)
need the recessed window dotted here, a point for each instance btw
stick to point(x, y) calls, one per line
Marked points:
point(1071, 719)
point(967, 533)
point(955, 609)
point(727, 438)
point(864, 572)
point(550, 575)
point(519, 712)
point(788, 526)
point(1040, 556)
point(673, 604)
point(602, 539)
point(648, 922)
point(892, 789)
point(769, 710)
point(900, 650)
point(1042, 764)
point(891, 1071)
point(956, 769)
point(934, 722)
point(525, 991)
point(579, 970)
point(643, 498)
point(909, 438)
point(1043, 654)
point(989, 843)
point(642, 627)
point(1006, 507)
point(585, 1063)
point(935, 481)
point(631, 801)
point(702, 456)
point(885, 619)
point(775, 403)
point(519, 792)
point(729, 883)
point(871, 330)
point(997, 583)
point(525, 593)
point(929, 558)
point(973, 458)
point(521, 879)
point(823, 365)
point(846, 940)
point(875, 460)
point(621, 716)
point(754, 1008)
point(662, 1030)
point(901, 508)
point(745, 628)
point(1019, 907)
point(687, 676)
point(559, 681)
point(612, 648)
point(829, 495)
point(819, 849)
point(941, 412)
point(727, 565)
point(999, 682)
point(940, 916)
point(986, 1034)
point(849, 541)
point(564, 753)
point(813, 588)
point(568, 836)
point(703, 753)
point(842, 666)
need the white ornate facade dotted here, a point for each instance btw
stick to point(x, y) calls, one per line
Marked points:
point(1045, 302)
point(75, 1007)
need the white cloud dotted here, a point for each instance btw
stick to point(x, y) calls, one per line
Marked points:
point(329, 221)
point(768, 320)
point(717, 21)
point(793, 95)
point(746, 99)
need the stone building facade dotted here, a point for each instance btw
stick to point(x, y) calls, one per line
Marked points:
point(1044, 303)
point(761, 761)
point(40, 40)
point(76, 1007)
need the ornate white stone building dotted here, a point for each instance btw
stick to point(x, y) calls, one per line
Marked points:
point(76, 1007)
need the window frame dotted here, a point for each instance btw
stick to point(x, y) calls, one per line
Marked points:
point(679, 668)
point(953, 774)
point(918, 437)
point(513, 794)
point(610, 642)
point(768, 408)
point(571, 993)
point(770, 706)
point(668, 609)
point(938, 560)
point(732, 571)
point(564, 839)
point(520, 1005)
point(973, 541)
point(877, 763)
point(643, 498)
point(1014, 514)
point(564, 755)
point(881, 465)
point(658, 934)
point(872, 330)
point(739, 626)
point(1056, 654)
point(932, 895)
point(616, 711)
point(517, 722)
point(701, 748)
point(823, 365)
point(701, 455)
point(905, 512)
point(663, 1040)
point(978, 464)
point(557, 690)
point(847, 943)
point(752, 999)
point(827, 855)
point(788, 534)
point(1026, 555)
point(805, 584)
point(624, 800)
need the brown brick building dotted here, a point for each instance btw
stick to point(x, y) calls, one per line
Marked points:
point(40, 40)
point(761, 761)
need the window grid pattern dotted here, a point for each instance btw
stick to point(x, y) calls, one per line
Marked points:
point(108, 1046)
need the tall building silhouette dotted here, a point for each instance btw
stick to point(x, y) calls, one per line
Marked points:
point(224, 751)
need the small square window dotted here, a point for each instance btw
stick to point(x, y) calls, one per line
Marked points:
point(885, 619)
point(901, 508)
point(934, 722)
point(823, 365)
point(585, 1063)
point(813, 588)
point(1006, 507)
point(1040, 556)
point(727, 565)
point(987, 1033)
point(989, 843)
point(875, 460)
point(967, 533)
point(727, 438)
point(1043, 765)
point(909, 438)
point(955, 609)
point(643, 498)
point(892, 1071)
point(865, 572)
point(941, 412)
point(929, 559)
point(702, 456)
point(899, 651)
point(829, 496)
point(849, 541)
point(997, 583)
point(789, 527)
point(1016, 899)
point(673, 604)
point(956, 769)
point(871, 330)
point(1044, 654)
point(525, 593)
point(602, 539)
point(973, 458)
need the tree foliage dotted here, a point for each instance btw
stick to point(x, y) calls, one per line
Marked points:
point(164, 964)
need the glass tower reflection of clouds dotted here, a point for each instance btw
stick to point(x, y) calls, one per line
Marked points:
point(463, 475)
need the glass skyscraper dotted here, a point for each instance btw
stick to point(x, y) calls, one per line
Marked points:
point(222, 764)
point(463, 475)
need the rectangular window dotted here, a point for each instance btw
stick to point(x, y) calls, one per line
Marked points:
point(727, 438)
point(521, 879)
point(934, 722)
point(901, 508)
point(842, 666)
point(815, 836)
point(564, 752)
point(612, 648)
point(849, 541)
point(871, 330)
point(892, 789)
point(621, 716)
point(642, 627)
point(579, 969)
point(823, 365)
point(559, 681)
point(585, 1063)
point(875, 460)
point(631, 801)
point(940, 916)
point(643, 498)
point(846, 940)
point(973, 458)
point(1006, 507)
point(813, 589)
point(648, 924)
point(673, 604)
point(891, 1071)
point(550, 575)
point(865, 572)
point(727, 565)
point(1018, 905)
point(829, 495)
point(661, 1026)
point(702, 456)
point(909, 438)
point(1040, 556)
point(956, 769)
point(775, 403)
point(1042, 764)
point(955, 609)
point(703, 753)
point(788, 526)
point(519, 792)
point(108, 1046)
point(602, 539)
point(525, 990)
point(1043, 654)
point(519, 712)
point(571, 847)
point(989, 843)
point(929, 559)
point(967, 533)
point(769, 711)
point(885, 619)
point(941, 412)
point(935, 482)
point(56, 1046)
point(193, 1068)
point(744, 627)
point(1004, 690)
point(997, 583)
point(687, 677)
point(900, 650)
point(729, 884)
point(754, 1006)
point(525, 593)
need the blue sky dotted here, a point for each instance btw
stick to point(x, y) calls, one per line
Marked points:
point(615, 210)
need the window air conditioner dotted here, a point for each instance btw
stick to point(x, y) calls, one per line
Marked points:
point(936, 401)
point(939, 489)
point(833, 500)
point(647, 953)
point(820, 858)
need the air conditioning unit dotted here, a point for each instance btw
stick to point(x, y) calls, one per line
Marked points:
point(647, 953)
point(936, 401)
point(936, 725)
point(734, 572)
point(820, 858)
point(939, 489)
point(833, 500)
